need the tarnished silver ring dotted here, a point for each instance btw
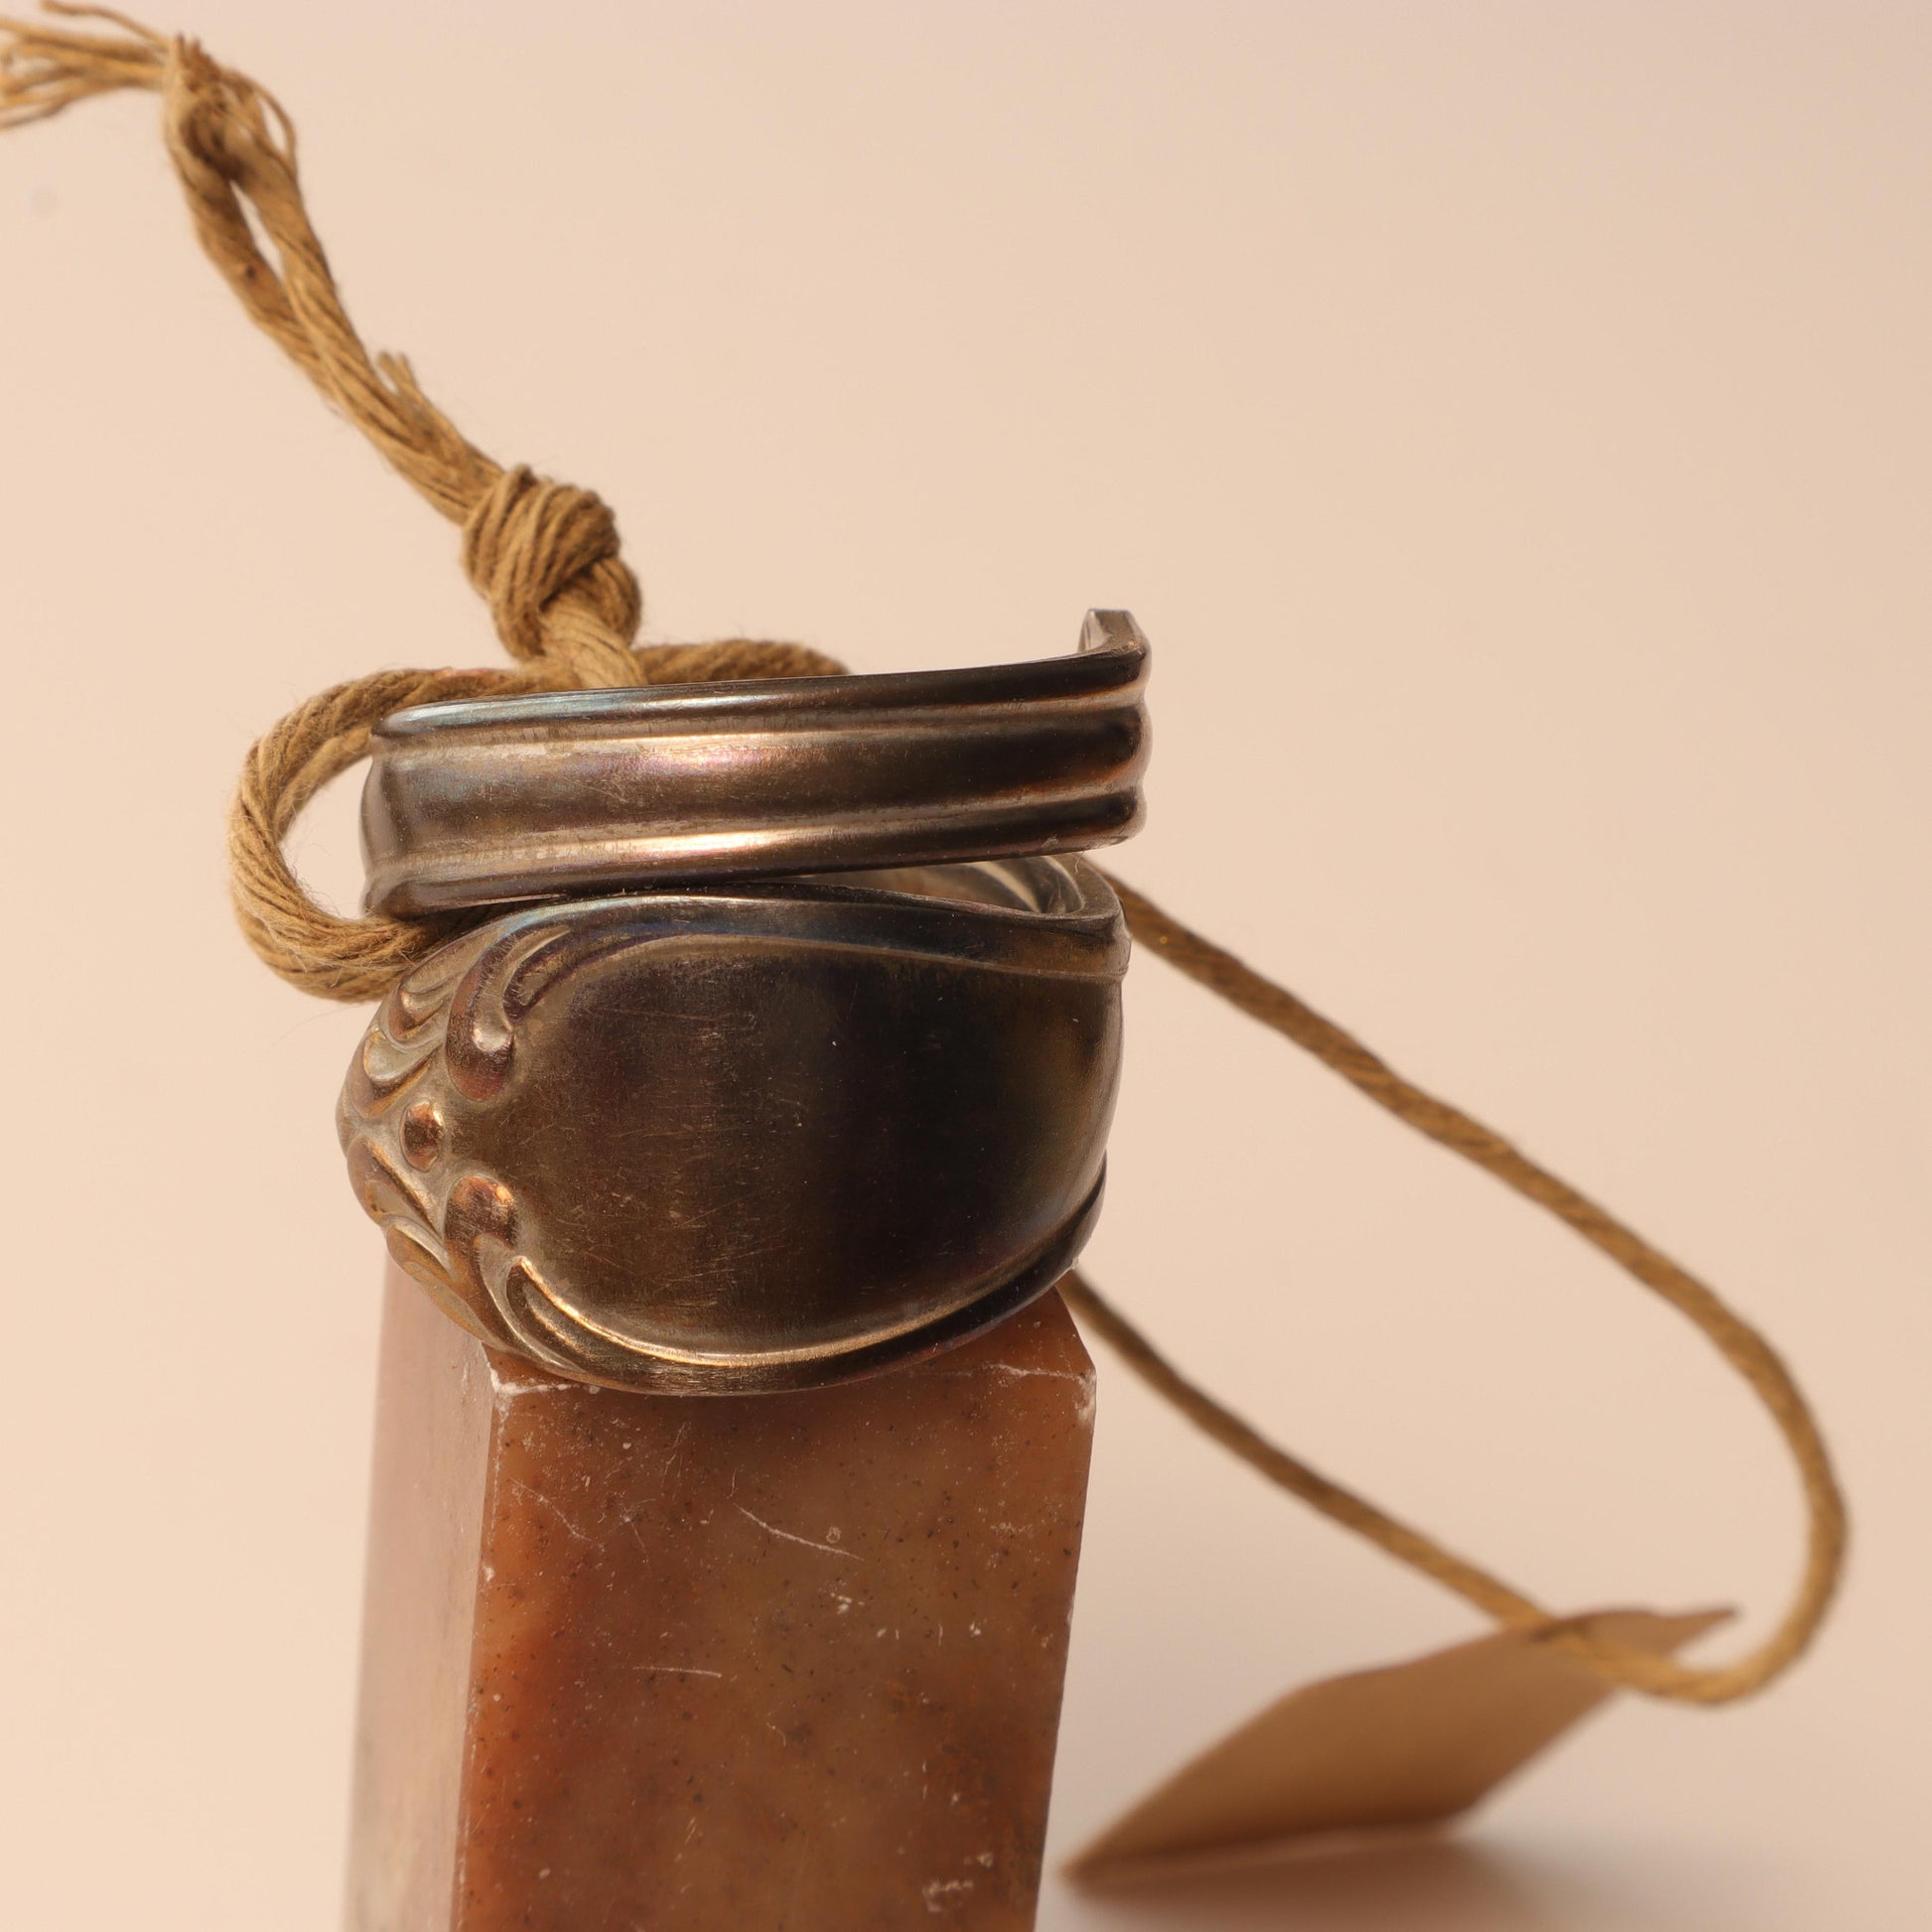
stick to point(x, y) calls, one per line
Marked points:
point(493, 801)
point(749, 1138)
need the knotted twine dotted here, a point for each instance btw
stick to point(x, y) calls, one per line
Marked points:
point(545, 557)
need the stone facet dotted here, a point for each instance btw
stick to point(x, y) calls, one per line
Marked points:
point(736, 1662)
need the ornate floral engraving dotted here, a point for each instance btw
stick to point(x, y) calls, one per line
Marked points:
point(751, 1138)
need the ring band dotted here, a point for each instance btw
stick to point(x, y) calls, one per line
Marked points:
point(505, 798)
point(493, 801)
point(749, 1138)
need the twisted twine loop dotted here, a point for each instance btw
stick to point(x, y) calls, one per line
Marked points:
point(545, 557)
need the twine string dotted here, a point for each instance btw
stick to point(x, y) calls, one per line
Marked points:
point(545, 558)
point(543, 555)
point(1747, 1351)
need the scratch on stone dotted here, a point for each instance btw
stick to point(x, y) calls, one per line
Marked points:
point(771, 1529)
point(530, 1495)
point(678, 1670)
point(506, 1391)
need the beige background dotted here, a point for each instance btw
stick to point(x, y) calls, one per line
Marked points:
point(1510, 423)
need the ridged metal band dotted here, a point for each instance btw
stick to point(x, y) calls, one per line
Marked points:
point(492, 801)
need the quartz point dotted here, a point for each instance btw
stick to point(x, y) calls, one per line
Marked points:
point(679, 1663)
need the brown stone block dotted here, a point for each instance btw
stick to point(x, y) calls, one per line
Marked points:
point(784, 1663)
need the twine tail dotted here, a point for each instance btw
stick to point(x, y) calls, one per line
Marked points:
point(1735, 1339)
point(45, 69)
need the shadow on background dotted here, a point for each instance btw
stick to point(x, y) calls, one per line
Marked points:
point(1437, 1885)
